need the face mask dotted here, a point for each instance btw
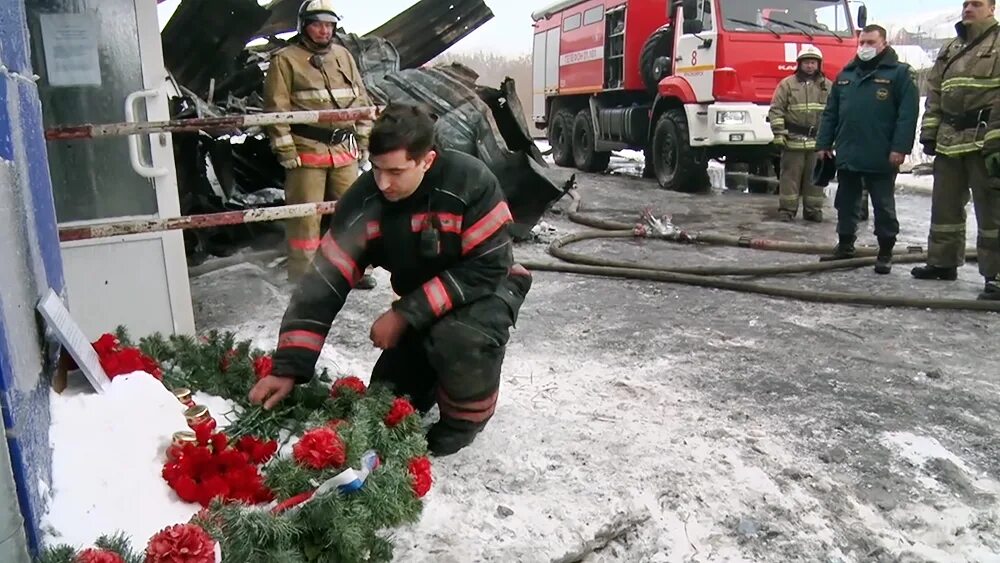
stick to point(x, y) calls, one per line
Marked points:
point(867, 53)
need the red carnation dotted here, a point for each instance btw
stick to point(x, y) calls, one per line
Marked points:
point(262, 367)
point(401, 408)
point(181, 543)
point(94, 555)
point(420, 471)
point(320, 448)
point(106, 344)
point(351, 383)
point(258, 450)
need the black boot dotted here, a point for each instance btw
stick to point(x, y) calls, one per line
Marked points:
point(934, 273)
point(991, 292)
point(883, 264)
point(844, 250)
point(444, 439)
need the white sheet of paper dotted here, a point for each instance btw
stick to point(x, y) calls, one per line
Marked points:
point(73, 339)
point(70, 43)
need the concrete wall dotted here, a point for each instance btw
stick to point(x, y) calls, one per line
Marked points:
point(29, 265)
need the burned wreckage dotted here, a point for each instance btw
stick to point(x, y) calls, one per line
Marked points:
point(216, 74)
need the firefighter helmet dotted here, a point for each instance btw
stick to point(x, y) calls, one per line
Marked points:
point(810, 52)
point(316, 11)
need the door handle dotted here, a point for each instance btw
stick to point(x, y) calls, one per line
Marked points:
point(134, 147)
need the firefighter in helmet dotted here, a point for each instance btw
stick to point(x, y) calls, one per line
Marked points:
point(321, 160)
point(796, 108)
point(961, 129)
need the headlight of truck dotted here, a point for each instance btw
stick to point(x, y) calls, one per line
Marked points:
point(732, 117)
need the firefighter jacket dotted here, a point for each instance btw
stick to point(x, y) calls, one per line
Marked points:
point(294, 84)
point(796, 107)
point(446, 245)
point(872, 111)
point(964, 89)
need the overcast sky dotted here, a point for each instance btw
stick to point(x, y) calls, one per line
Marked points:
point(509, 32)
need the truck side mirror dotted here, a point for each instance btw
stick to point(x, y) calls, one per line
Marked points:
point(690, 9)
point(692, 27)
point(862, 16)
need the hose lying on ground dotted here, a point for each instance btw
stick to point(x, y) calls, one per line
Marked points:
point(702, 276)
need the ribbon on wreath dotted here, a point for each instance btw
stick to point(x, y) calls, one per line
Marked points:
point(345, 482)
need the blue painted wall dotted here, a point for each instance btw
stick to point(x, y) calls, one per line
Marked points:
point(31, 263)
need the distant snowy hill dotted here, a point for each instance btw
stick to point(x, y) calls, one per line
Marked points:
point(937, 24)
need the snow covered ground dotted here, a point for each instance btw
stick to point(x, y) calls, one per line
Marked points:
point(660, 423)
point(646, 422)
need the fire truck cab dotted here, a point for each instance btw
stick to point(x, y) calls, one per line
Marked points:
point(684, 81)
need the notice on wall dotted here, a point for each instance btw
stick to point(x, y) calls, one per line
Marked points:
point(59, 320)
point(70, 43)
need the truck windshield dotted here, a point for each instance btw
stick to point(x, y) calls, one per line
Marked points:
point(803, 17)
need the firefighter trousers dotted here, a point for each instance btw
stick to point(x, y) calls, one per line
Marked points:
point(311, 185)
point(456, 362)
point(954, 178)
point(849, 202)
point(796, 184)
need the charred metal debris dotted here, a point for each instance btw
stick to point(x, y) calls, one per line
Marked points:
point(215, 74)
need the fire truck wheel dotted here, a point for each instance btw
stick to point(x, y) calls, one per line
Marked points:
point(584, 155)
point(676, 164)
point(561, 138)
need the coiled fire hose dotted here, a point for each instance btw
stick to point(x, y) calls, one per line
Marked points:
point(708, 276)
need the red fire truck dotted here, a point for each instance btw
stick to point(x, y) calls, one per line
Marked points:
point(619, 74)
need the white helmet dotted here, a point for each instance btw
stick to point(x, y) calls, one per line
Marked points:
point(316, 11)
point(810, 52)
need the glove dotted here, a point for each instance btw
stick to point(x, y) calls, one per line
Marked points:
point(993, 164)
point(930, 147)
point(291, 163)
point(779, 141)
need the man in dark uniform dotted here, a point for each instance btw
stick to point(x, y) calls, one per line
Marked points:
point(871, 121)
point(438, 222)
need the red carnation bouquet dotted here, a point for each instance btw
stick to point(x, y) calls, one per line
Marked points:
point(214, 468)
point(118, 360)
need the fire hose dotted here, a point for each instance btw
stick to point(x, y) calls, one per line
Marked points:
point(708, 276)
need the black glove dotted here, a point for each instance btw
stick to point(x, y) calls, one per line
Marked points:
point(930, 147)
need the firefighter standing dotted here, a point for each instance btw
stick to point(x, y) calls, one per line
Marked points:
point(320, 160)
point(795, 112)
point(871, 120)
point(964, 84)
point(438, 221)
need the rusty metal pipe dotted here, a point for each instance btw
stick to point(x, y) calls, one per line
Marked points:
point(194, 125)
point(225, 218)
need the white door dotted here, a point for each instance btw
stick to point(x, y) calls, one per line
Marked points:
point(694, 53)
point(139, 281)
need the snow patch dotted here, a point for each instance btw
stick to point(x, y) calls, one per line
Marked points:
point(919, 449)
point(222, 410)
point(108, 453)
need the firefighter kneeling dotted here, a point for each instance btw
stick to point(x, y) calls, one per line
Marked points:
point(438, 222)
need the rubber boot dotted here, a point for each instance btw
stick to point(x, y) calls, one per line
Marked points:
point(813, 216)
point(444, 439)
point(883, 264)
point(844, 250)
point(991, 291)
point(934, 273)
